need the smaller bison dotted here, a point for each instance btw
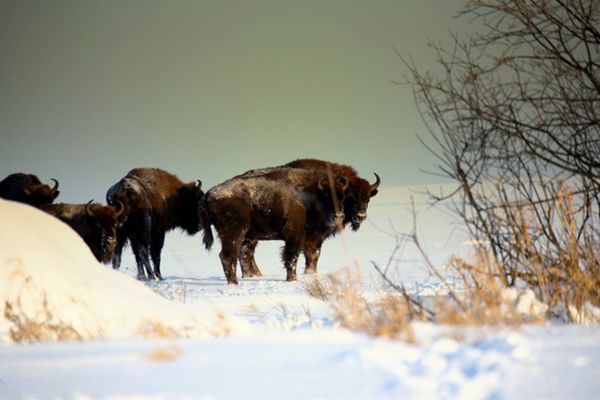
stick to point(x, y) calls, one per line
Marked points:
point(155, 202)
point(28, 189)
point(297, 206)
point(95, 223)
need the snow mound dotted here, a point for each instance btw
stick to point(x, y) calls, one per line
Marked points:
point(52, 288)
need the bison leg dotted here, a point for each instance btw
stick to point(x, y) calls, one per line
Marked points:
point(156, 246)
point(121, 240)
point(247, 261)
point(312, 251)
point(231, 244)
point(142, 259)
point(290, 254)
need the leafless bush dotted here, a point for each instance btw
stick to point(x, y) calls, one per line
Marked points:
point(514, 119)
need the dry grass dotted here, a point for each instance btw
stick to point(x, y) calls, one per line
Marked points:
point(559, 259)
point(164, 354)
point(155, 330)
point(317, 288)
point(388, 315)
point(44, 328)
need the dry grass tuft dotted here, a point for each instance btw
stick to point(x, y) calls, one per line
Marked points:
point(164, 354)
point(222, 325)
point(387, 315)
point(317, 288)
point(155, 330)
point(45, 328)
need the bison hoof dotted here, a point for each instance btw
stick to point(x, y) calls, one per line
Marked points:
point(310, 271)
point(142, 278)
point(290, 277)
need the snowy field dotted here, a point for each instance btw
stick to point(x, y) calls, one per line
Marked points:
point(265, 338)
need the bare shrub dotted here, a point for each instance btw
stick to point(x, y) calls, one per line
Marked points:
point(513, 117)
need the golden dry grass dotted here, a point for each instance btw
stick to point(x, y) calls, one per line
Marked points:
point(164, 354)
point(44, 328)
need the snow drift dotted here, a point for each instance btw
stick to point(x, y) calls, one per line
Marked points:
point(52, 288)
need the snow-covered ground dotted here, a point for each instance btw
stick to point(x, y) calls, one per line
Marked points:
point(265, 338)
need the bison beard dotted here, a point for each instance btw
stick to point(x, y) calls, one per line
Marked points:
point(28, 189)
point(357, 196)
point(155, 202)
point(95, 223)
point(289, 204)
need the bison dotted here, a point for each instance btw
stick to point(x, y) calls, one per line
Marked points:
point(155, 202)
point(357, 196)
point(295, 205)
point(95, 223)
point(28, 189)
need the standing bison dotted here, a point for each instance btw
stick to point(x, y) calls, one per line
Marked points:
point(155, 202)
point(297, 206)
point(95, 223)
point(28, 189)
point(356, 200)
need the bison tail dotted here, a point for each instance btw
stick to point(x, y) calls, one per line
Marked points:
point(207, 235)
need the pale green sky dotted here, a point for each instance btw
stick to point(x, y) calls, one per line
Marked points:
point(210, 89)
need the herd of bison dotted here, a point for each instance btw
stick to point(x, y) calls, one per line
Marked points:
point(302, 203)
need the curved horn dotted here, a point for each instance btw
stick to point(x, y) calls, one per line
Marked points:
point(377, 182)
point(344, 181)
point(119, 210)
point(88, 209)
point(198, 183)
point(55, 188)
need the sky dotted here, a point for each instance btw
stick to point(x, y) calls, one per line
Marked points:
point(210, 89)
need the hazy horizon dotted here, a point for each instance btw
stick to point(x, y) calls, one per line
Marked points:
point(208, 90)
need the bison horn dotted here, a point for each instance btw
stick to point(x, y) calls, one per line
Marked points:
point(344, 181)
point(88, 209)
point(55, 188)
point(198, 183)
point(119, 210)
point(377, 182)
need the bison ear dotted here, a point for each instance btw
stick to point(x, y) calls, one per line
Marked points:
point(323, 183)
point(55, 194)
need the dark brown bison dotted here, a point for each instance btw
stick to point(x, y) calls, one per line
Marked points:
point(290, 204)
point(356, 200)
point(95, 223)
point(28, 189)
point(155, 202)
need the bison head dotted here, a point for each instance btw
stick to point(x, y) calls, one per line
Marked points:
point(334, 191)
point(358, 198)
point(103, 222)
point(39, 194)
point(190, 196)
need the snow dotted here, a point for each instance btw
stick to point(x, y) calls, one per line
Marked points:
point(265, 338)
